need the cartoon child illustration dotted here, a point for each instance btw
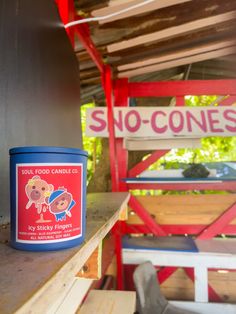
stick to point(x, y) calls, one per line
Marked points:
point(37, 191)
point(60, 203)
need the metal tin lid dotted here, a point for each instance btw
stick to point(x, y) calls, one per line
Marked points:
point(47, 149)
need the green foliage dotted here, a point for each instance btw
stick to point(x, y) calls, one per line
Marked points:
point(212, 149)
point(91, 144)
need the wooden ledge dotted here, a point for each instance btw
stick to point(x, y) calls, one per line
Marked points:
point(34, 280)
point(109, 302)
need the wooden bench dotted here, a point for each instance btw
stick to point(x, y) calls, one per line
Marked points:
point(214, 253)
point(109, 302)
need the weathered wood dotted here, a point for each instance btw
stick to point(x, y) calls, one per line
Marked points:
point(172, 31)
point(184, 209)
point(72, 298)
point(178, 54)
point(169, 17)
point(46, 275)
point(211, 34)
point(109, 302)
point(182, 61)
point(155, 5)
point(92, 269)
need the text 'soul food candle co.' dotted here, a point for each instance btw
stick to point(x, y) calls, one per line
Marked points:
point(48, 197)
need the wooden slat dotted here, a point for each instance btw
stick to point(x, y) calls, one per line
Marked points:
point(182, 61)
point(178, 55)
point(92, 269)
point(150, 143)
point(35, 278)
point(179, 287)
point(154, 5)
point(218, 32)
point(109, 302)
point(172, 31)
point(184, 209)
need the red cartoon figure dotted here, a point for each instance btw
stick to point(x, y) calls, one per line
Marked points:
point(37, 191)
point(60, 203)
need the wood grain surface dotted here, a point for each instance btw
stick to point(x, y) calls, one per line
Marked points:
point(32, 281)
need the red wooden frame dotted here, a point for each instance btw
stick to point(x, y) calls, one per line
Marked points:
point(218, 226)
point(143, 165)
point(181, 88)
point(122, 90)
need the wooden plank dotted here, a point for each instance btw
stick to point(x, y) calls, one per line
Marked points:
point(179, 54)
point(182, 61)
point(139, 9)
point(109, 302)
point(209, 259)
point(46, 275)
point(97, 264)
point(184, 209)
point(211, 35)
point(201, 284)
point(215, 246)
point(73, 297)
point(92, 269)
point(172, 31)
point(183, 186)
point(178, 286)
point(206, 308)
point(150, 143)
point(165, 18)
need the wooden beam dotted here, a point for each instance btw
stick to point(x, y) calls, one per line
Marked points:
point(178, 55)
point(209, 35)
point(73, 297)
point(180, 88)
point(150, 143)
point(186, 209)
point(154, 227)
point(144, 164)
point(154, 5)
point(218, 225)
point(183, 61)
point(177, 186)
point(92, 269)
point(172, 31)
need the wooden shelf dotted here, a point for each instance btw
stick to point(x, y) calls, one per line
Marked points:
point(181, 185)
point(109, 302)
point(34, 280)
point(225, 179)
